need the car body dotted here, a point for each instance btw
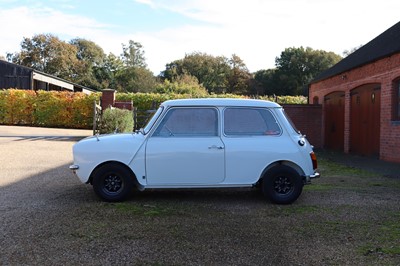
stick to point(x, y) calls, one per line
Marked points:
point(201, 143)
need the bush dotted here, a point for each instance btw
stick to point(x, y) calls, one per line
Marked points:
point(116, 120)
point(47, 108)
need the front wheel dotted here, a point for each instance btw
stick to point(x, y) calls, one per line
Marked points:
point(282, 184)
point(112, 182)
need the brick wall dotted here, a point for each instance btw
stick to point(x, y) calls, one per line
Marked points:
point(384, 72)
point(108, 99)
point(308, 119)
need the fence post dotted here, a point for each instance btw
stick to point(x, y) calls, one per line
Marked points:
point(134, 112)
point(96, 116)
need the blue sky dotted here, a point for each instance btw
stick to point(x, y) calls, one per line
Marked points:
point(256, 30)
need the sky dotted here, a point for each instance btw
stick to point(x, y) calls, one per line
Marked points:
point(257, 31)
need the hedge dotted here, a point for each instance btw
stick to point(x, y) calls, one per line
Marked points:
point(47, 108)
point(144, 101)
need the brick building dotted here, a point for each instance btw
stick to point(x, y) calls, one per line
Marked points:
point(360, 96)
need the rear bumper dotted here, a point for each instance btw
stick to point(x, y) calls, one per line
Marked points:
point(307, 178)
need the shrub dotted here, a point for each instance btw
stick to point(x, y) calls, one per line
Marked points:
point(47, 108)
point(116, 120)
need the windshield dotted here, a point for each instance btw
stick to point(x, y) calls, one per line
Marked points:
point(152, 120)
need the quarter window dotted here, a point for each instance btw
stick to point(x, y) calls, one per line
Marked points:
point(250, 122)
point(188, 122)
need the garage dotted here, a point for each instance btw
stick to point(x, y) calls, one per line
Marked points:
point(365, 120)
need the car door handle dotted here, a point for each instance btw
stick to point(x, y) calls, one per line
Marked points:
point(216, 147)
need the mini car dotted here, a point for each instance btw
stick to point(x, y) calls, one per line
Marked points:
point(201, 143)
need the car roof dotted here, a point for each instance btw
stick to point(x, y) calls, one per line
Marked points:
point(221, 102)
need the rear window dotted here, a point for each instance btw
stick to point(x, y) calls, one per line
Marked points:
point(250, 122)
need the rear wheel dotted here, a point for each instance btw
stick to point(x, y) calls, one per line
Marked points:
point(282, 184)
point(112, 182)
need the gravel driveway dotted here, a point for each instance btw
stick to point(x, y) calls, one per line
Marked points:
point(49, 218)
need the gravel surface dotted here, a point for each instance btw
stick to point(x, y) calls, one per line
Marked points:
point(49, 218)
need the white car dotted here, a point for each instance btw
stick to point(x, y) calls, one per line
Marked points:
point(201, 143)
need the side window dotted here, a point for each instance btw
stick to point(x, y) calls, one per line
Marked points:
point(188, 122)
point(250, 122)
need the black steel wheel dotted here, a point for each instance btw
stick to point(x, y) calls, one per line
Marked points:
point(112, 182)
point(282, 184)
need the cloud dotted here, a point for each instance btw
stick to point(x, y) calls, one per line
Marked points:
point(27, 21)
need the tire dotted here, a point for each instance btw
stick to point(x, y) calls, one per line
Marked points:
point(282, 184)
point(112, 182)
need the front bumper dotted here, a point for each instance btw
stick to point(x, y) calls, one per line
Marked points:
point(74, 167)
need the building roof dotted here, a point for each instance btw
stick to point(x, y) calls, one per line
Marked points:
point(38, 75)
point(384, 45)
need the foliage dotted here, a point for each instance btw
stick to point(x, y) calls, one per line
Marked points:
point(296, 67)
point(184, 84)
point(47, 109)
point(47, 53)
point(116, 120)
point(133, 55)
point(84, 62)
point(91, 56)
point(211, 72)
point(135, 79)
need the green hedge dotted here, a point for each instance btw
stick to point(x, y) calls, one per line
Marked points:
point(47, 109)
point(144, 101)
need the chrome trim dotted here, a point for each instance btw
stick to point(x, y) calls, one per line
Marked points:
point(307, 178)
point(74, 167)
point(316, 175)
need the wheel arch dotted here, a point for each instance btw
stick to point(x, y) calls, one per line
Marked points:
point(291, 164)
point(133, 175)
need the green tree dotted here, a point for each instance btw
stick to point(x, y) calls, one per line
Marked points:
point(133, 55)
point(296, 67)
point(92, 58)
point(134, 76)
point(211, 72)
point(240, 78)
point(47, 53)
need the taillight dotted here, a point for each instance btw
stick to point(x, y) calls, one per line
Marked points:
point(314, 160)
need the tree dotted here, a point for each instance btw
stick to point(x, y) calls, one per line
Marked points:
point(47, 53)
point(91, 57)
point(296, 67)
point(266, 82)
point(133, 55)
point(352, 50)
point(240, 77)
point(135, 79)
point(106, 73)
point(211, 72)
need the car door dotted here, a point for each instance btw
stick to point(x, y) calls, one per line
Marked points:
point(186, 149)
